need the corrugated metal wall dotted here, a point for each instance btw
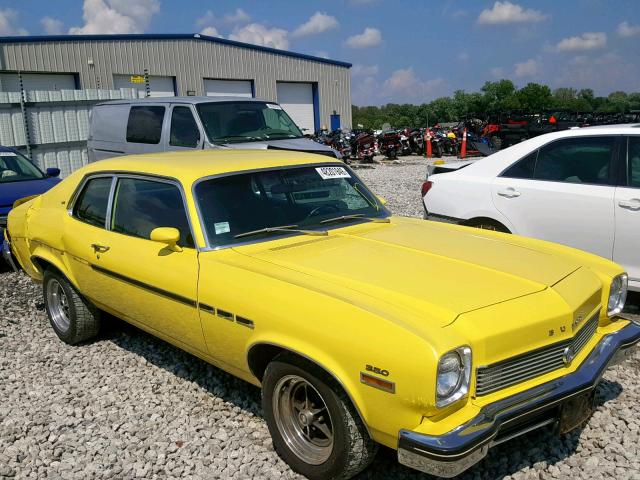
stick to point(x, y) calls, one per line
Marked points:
point(190, 61)
point(57, 122)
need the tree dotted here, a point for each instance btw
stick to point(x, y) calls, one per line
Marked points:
point(498, 95)
point(535, 97)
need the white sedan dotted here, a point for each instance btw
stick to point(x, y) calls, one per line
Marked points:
point(577, 187)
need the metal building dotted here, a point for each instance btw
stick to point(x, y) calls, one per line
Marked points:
point(314, 91)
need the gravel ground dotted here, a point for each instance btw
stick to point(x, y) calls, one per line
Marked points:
point(131, 406)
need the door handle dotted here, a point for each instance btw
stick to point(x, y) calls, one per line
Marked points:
point(633, 204)
point(509, 193)
point(99, 248)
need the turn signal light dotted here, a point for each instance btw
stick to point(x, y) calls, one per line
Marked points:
point(426, 186)
point(378, 383)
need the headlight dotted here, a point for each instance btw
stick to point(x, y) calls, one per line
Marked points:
point(617, 295)
point(454, 373)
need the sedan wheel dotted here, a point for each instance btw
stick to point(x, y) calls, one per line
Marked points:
point(303, 419)
point(72, 317)
point(58, 305)
point(313, 424)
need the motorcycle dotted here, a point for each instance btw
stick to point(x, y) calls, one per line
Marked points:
point(363, 147)
point(390, 144)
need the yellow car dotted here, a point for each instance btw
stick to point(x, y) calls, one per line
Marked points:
point(362, 328)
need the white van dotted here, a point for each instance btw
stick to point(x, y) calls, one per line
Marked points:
point(154, 124)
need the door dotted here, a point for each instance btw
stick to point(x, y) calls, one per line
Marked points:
point(563, 193)
point(627, 208)
point(144, 281)
point(183, 130)
point(297, 100)
point(10, 82)
point(335, 122)
point(228, 88)
point(85, 231)
point(159, 86)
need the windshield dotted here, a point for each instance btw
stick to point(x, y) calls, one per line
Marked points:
point(15, 167)
point(275, 202)
point(233, 122)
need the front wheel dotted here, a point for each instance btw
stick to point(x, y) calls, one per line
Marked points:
point(314, 427)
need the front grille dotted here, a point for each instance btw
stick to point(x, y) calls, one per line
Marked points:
point(532, 364)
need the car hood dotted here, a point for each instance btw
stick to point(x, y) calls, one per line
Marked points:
point(297, 144)
point(12, 191)
point(435, 271)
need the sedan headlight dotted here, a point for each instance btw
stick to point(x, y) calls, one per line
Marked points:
point(454, 373)
point(617, 295)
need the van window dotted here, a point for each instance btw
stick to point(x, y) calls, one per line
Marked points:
point(141, 205)
point(145, 124)
point(91, 205)
point(184, 130)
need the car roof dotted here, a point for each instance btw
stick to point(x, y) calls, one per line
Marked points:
point(191, 166)
point(188, 100)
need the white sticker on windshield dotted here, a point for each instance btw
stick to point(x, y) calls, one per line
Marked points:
point(332, 172)
point(275, 106)
point(221, 227)
point(7, 154)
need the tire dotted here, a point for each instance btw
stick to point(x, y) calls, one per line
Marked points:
point(496, 143)
point(351, 449)
point(73, 319)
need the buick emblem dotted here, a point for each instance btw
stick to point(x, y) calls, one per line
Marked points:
point(568, 355)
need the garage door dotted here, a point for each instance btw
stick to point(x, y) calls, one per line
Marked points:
point(160, 86)
point(297, 101)
point(37, 81)
point(226, 88)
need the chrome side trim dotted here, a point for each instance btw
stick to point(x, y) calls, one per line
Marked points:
point(452, 453)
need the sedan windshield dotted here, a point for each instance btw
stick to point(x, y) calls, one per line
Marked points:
point(15, 167)
point(234, 122)
point(301, 200)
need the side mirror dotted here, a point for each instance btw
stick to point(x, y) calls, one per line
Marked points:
point(381, 199)
point(53, 172)
point(167, 235)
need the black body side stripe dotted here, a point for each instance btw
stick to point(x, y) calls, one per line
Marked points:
point(146, 286)
point(207, 308)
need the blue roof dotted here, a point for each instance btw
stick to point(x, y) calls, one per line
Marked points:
point(168, 36)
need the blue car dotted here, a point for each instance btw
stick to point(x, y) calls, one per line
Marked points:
point(20, 178)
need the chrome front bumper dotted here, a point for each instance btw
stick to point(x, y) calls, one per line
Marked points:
point(5, 249)
point(454, 452)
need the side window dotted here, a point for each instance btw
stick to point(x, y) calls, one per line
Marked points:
point(523, 168)
point(145, 124)
point(139, 206)
point(184, 130)
point(91, 205)
point(576, 160)
point(634, 162)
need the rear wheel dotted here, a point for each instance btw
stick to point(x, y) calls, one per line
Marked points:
point(73, 319)
point(314, 427)
point(487, 224)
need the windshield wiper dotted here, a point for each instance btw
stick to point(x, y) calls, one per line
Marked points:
point(356, 215)
point(248, 138)
point(283, 228)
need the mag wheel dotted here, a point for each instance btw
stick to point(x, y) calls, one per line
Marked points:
point(312, 422)
point(73, 319)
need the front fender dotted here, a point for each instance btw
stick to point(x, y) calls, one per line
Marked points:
point(383, 413)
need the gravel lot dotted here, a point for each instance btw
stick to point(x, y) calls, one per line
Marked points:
point(132, 406)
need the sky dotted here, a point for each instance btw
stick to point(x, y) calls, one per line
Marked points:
point(402, 51)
